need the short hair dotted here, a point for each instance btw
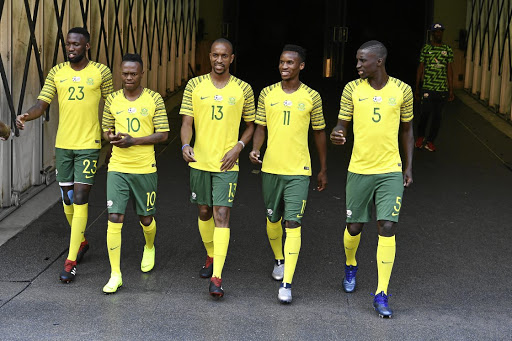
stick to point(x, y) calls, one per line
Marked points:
point(81, 30)
point(376, 47)
point(296, 48)
point(133, 57)
point(223, 41)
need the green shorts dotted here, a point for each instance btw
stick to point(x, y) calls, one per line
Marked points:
point(139, 187)
point(212, 188)
point(385, 190)
point(76, 166)
point(285, 196)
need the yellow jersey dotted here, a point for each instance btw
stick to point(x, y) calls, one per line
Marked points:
point(376, 116)
point(217, 114)
point(79, 97)
point(287, 118)
point(142, 117)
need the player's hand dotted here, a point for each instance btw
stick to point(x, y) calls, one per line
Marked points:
point(322, 181)
point(123, 140)
point(20, 121)
point(407, 178)
point(5, 131)
point(111, 136)
point(229, 160)
point(188, 154)
point(254, 156)
point(337, 137)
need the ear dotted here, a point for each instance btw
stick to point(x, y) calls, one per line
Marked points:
point(232, 58)
point(302, 66)
point(380, 61)
point(87, 46)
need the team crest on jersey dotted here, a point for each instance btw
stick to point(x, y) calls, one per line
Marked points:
point(232, 100)
point(349, 213)
point(377, 99)
point(218, 98)
point(392, 101)
point(76, 79)
point(144, 112)
point(90, 81)
point(194, 196)
point(444, 53)
point(301, 107)
point(287, 103)
point(132, 110)
point(110, 203)
point(270, 212)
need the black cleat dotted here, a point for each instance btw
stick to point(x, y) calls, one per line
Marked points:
point(216, 287)
point(68, 274)
point(207, 269)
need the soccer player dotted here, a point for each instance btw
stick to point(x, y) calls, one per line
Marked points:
point(286, 110)
point(5, 131)
point(436, 73)
point(380, 107)
point(214, 104)
point(79, 84)
point(134, 120)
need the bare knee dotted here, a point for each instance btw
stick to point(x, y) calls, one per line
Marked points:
point(354, 228)
point(291, 224)
point(386, 228)
point(116, 218)
point(205, 212)
point(146, 220)
point(221, 216)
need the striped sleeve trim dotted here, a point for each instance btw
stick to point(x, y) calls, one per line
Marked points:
point(108, 121)
point(406, 108)
point(49, 89)
point(107, 86)
point(186, 103)
point(261, 113)
point(317, 115)
point(346, 103)
point(160, 121)
point(248, 111)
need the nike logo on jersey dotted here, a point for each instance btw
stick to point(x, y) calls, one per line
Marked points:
point(204, 97)
point(272, 104)
point(63, 80)
point(118, 112)
point(363, 99)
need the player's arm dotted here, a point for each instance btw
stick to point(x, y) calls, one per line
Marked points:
point(449, 74)
point(321, 147)
point(407, 144)
point(339, 133)
point(257, 141)
point(31, 114)
point(127, 140)
point(186, 132)
point(228, 161)
point(419, 77)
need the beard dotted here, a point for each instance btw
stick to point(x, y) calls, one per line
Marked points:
point(77, 58)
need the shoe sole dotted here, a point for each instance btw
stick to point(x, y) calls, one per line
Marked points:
point(286, 301)
point(112, 292)
point(66, 281)
point(277, 278)
point(216, 295)
point(382, 316)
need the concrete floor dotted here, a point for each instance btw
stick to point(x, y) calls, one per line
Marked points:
point(451, 279)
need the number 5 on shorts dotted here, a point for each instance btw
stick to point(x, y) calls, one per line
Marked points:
point(397, 206)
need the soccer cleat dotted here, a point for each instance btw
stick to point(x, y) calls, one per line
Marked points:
point(68, 274)
point(148, 259)
point(84, 247)
point(216, 287)
point(419, 142)
point(380, 304)
point(430, 147)
point(278, 272)
point(349, 282)
point(114, 283)
point(285, 293)
point(207, 269)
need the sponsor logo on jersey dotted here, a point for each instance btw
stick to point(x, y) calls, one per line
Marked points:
point(110, 203)
point(232, 100)
point(76, 79)
point(90, 81)
point(218, 98)
point(287, 103)
point(301, 107)
point(392, 101)
point(144, 112)
point(349, 213)
point(306, 168)
point(377, 99)
point(132, 110)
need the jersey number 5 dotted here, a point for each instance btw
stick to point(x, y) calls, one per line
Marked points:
point(376, 115)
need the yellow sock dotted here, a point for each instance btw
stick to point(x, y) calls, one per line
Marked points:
point(68, 211)
point(114, 246)
point(78, 226)
point(206, 229)
point(149, 233)
point(221, 242)
point(275, 237)
point(291, 253)
point(385, 257)
point(351, 243)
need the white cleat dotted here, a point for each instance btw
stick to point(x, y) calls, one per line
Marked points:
point(278, 272)
point(285, 294)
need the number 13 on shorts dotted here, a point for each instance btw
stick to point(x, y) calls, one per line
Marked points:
point(232, 191)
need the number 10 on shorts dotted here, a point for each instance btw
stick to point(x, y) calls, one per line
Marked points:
point(150, 203)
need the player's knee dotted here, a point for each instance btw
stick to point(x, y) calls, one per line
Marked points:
point(205, 212)
point(67, 196)
point(291, 224)
point(116, 217)
point(386, 228)
point(354, 228)
point(222, 216)
point(146, 220)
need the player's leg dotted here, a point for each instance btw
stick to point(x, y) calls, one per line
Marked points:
point(223, 194)
point(359, 202)
point(388, 202)
point(201, 188)
point(438, 100)
point(118, 194)
point(273, 189)
point(295, 198)
point(426, 110)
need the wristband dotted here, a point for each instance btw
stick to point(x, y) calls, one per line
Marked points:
point(186, 144)
point(242, 143)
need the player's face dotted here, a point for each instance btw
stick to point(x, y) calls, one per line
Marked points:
point(367, 63)
point(290, 65)
point(221, 57)
point(437, 36)
point(131, 73)
point(76, 47)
